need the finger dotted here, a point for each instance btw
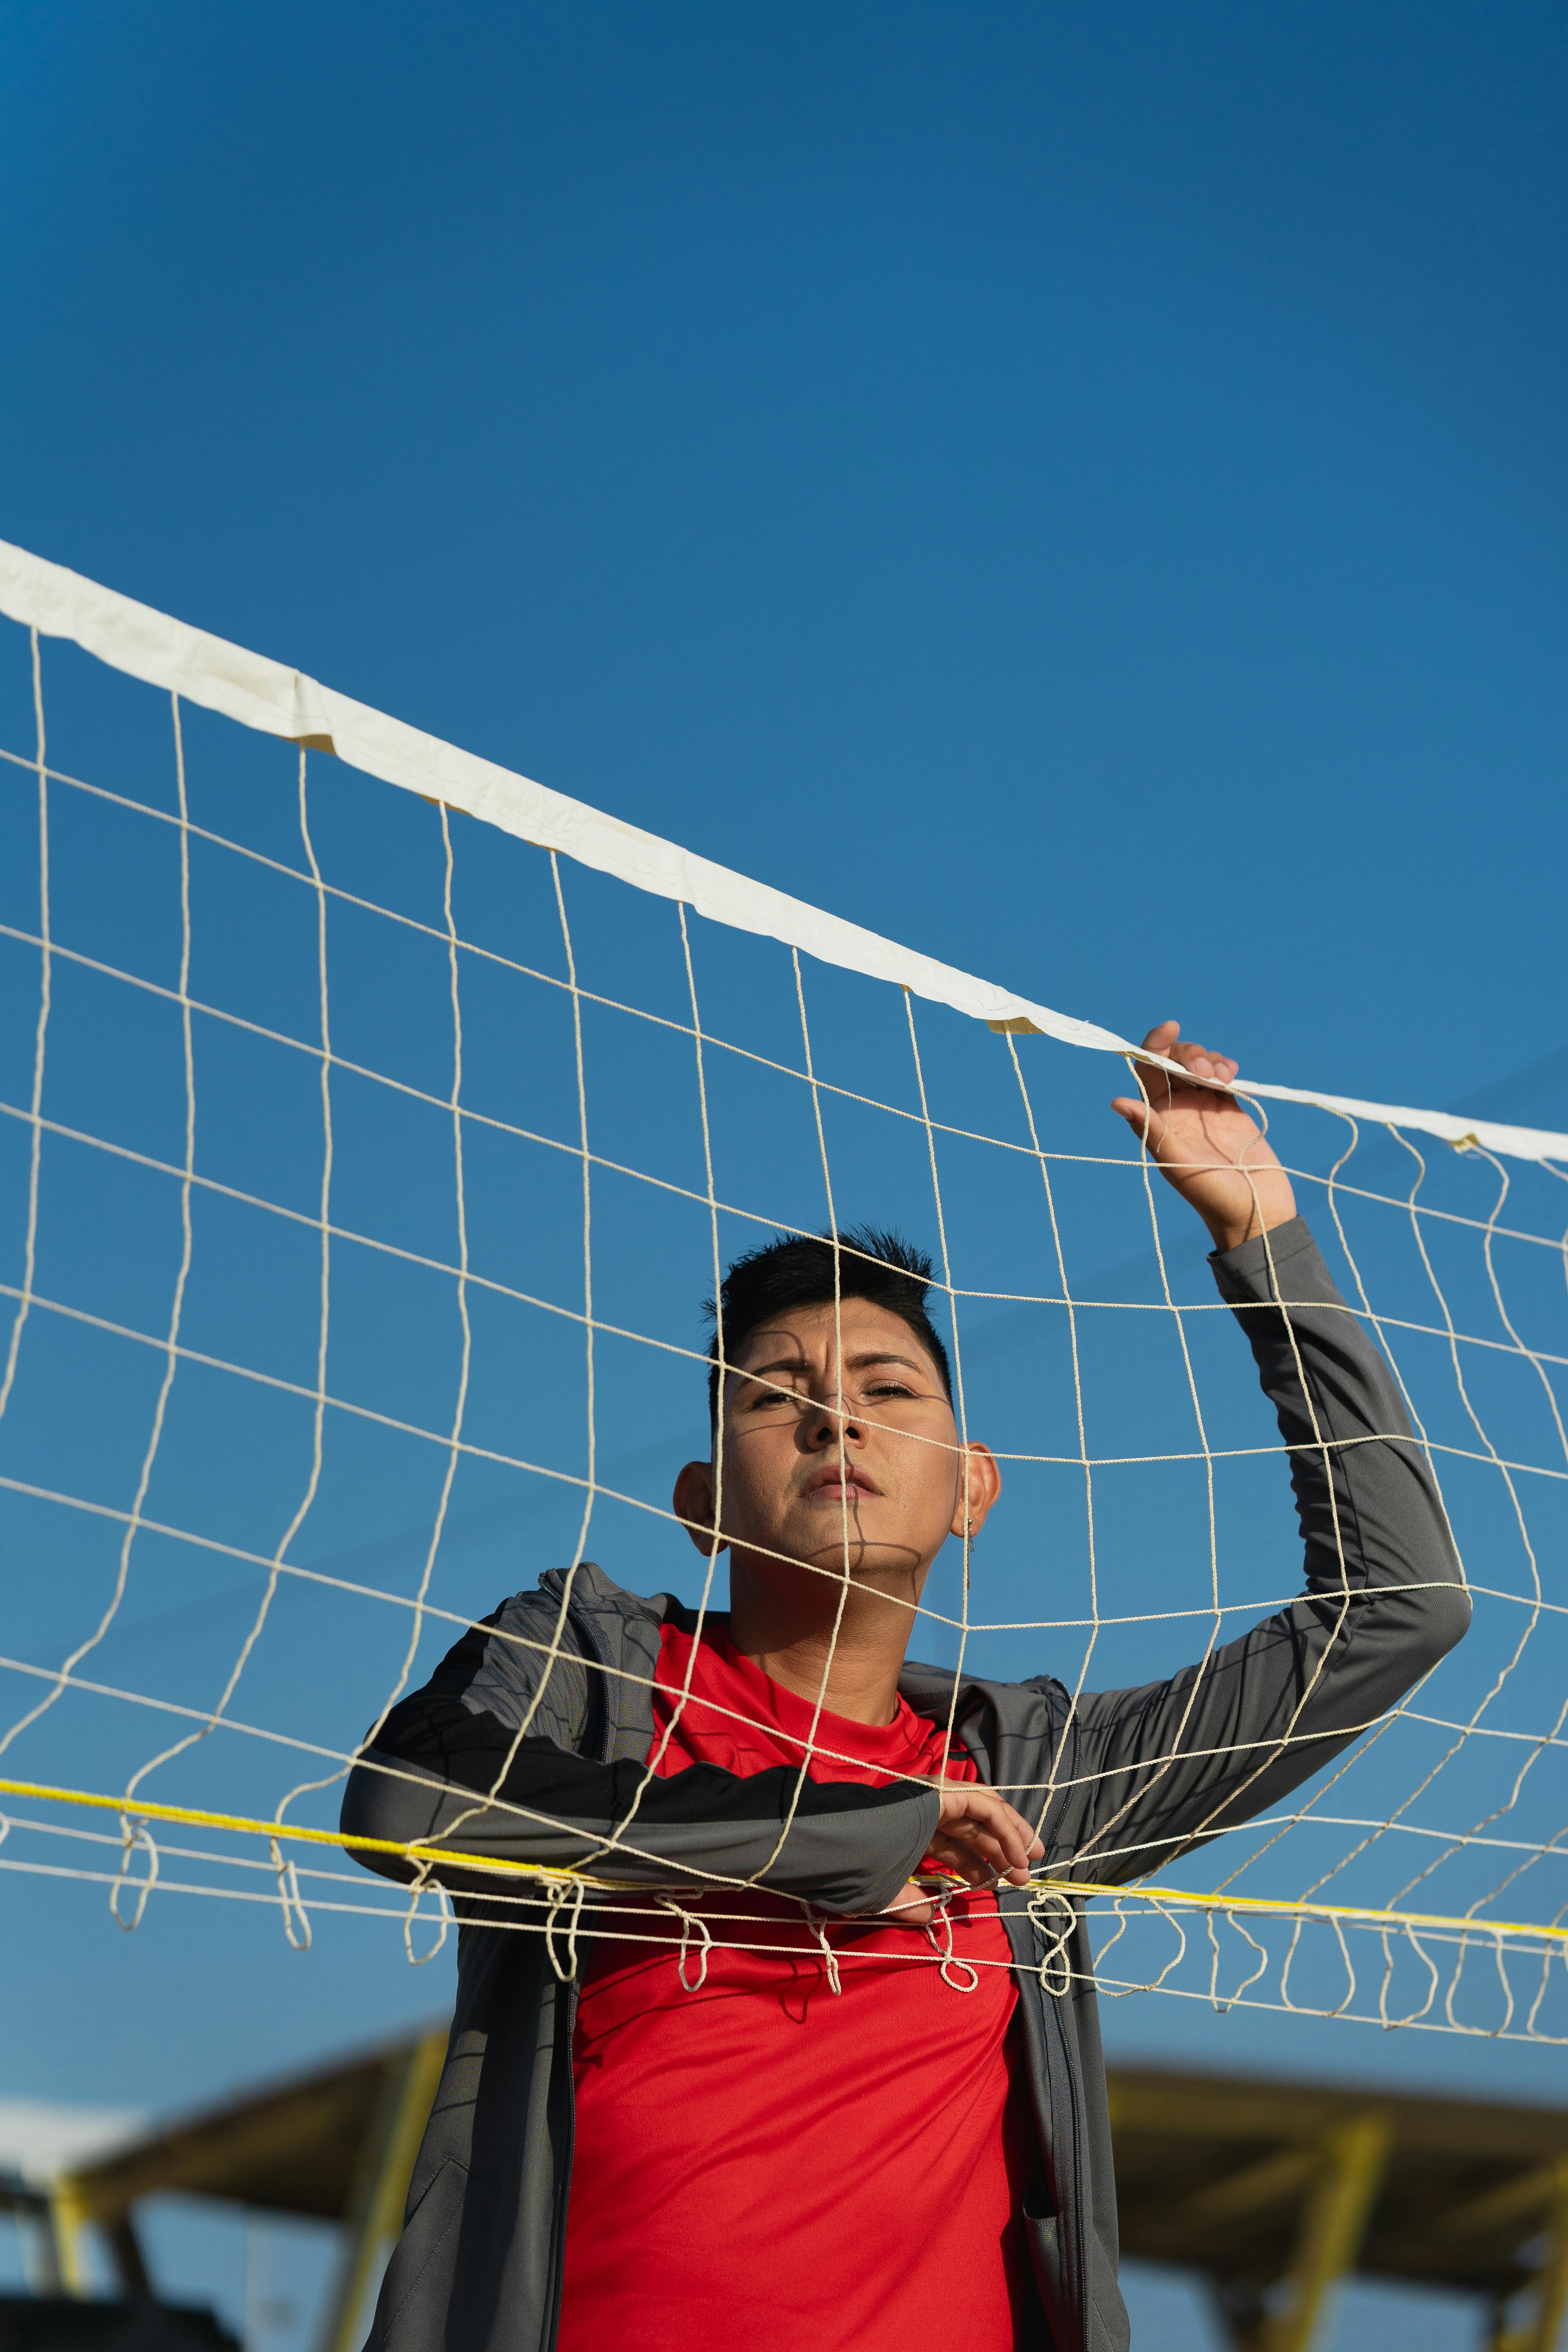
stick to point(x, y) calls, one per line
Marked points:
point(999, 1832)
point(969, 1865)
point(980, 1865)
point(1025, 1847)
point(1162, 1036)
point(971, 1801)
point(1205, 1063)
point(1020, 1832)
point(1148, 1128)
point(978, 1840)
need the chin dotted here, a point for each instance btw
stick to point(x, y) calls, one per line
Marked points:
point(869, 1563)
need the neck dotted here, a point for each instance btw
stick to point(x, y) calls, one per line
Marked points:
point(793, 1628)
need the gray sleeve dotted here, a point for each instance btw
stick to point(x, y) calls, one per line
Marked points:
point(428, 1781)
point(1158, 1767)
point(846, 1848)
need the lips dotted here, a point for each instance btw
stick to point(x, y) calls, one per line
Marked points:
point(835, 1482)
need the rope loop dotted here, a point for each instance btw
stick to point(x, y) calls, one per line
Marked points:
point(962, 1968)
point(296, 1918)
point(689, 1920)
point(562, 1895)
point(817, 1920)
point(1223, 2003)
point(133, 1837)
point(1181, 1951)
point(1414, 2016)
point(1055, 1922)
point(444, 1912)
point(1106, 1992)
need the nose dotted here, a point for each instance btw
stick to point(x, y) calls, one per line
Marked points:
point(820, 1426)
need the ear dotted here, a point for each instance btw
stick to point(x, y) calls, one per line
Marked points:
point(694, 1504)
point(978, 1488)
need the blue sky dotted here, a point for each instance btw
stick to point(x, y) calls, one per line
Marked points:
point(1035, 480)
point(1080, 490)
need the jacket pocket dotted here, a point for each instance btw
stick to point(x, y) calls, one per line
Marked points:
point(411, 2310)
point(1104, 2326)
point(1046, 2256)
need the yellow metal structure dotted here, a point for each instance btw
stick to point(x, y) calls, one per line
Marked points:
point(67, 2211)
point(1542, 2323)
point(1340, 2190)
point(1271, 2193)
point(336, 2145)
point(383, 2169)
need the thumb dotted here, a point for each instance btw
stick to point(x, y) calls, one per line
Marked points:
point(1139, 1116)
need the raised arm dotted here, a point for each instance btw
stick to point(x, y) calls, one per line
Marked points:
point(1226, 1739)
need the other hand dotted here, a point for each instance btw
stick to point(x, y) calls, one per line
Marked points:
point(1205, 1143)
point(980, 1838)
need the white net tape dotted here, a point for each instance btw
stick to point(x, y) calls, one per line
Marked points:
point(363, 1165)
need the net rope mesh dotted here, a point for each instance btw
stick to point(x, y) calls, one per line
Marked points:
point(363, 1172)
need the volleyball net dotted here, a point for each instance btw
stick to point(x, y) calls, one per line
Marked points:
point(374, 1124)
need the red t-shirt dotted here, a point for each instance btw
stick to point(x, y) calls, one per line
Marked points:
point(763, 2165)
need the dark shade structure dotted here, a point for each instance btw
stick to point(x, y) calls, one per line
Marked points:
point(1268, 2192)
point(63, 2322)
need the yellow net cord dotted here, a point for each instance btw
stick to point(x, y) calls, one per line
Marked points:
point(1163, 1897)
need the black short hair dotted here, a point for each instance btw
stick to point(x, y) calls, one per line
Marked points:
point(797, 1270)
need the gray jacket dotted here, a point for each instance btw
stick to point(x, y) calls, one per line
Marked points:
point(1138, 1777)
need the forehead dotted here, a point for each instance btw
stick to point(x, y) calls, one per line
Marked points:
point(809, 1332)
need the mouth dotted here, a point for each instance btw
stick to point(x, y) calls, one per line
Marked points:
point(835, 1482)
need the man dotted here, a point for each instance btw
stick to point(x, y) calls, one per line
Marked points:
point(824, 2075)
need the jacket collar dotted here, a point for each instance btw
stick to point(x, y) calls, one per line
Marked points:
point(986, 1710)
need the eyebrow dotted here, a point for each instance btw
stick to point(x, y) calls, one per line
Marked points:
point(857, 1362)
